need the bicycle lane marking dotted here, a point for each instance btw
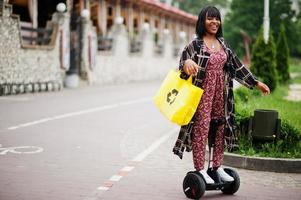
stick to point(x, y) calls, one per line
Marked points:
point(77, 113)
point(131, 166)
point(30, 150)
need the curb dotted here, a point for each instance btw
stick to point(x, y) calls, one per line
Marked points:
point(280, 165)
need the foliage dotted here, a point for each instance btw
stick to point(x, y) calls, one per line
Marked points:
point(263, 60)
point(282, 56)
point(288, 110)
point(295, 69)
point(195, 7)
point(297, 45)
point(289, 135)
point(242, 18)
point(276, 148)
point(289, 142)
point(295, 65)
point(248, 16)
point(281, 13)
point(288, 145)
point(243, 94)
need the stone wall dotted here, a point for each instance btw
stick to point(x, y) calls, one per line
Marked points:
point(121, 66)
point(25, 68)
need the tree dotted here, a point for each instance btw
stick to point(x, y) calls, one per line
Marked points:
point(298, 38)
point(281, 13)
point(282, 56)
point(297, 43)
point(246, 16)
point(263, 60)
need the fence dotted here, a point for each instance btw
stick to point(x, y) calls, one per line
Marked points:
point(105, 44)
point(36, 36)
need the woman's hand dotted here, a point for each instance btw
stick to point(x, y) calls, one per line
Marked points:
point(263, 88)
point(190, 67)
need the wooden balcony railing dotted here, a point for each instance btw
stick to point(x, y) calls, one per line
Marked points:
point(104, 43)
point(136, 46)
point(36, 36)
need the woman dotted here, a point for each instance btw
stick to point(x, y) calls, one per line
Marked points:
point(213, 66)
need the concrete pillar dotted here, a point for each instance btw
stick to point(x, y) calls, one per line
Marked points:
point(33, 5)
point(176, 33)
point(147, 41)
point(168, 45)
point(161, 26)
point(141, 20)
point(62, 18)
point(119, 33)
point(118, 10)
point(152, 22)
point(103, 17)
point(81, 5)
point(182, 35)
point(131, 20)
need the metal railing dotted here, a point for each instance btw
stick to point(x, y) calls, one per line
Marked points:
point(136, 46)
point(104, 43)
point(159, 49)
point(36, 36)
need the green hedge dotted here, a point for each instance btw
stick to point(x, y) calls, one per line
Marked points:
point(289, 143)
point(282, 56)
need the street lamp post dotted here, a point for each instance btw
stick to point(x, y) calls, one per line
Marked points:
point(266, 21)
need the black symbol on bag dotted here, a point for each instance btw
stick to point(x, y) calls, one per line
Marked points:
point(171, 96)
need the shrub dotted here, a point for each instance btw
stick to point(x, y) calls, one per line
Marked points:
point(282, 56)
point(290, 135)
point(244, 94)
point(263, 60)
point(287, 145)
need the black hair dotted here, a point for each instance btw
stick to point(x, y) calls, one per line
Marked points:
point(210, 11)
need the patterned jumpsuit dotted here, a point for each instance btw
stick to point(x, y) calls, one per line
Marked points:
point(211, 107)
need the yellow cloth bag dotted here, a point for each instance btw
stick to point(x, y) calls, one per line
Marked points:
point(178, 98)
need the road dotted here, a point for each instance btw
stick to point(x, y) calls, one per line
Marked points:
point(104, 142)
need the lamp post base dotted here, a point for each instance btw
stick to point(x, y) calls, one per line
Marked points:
point(72, 81)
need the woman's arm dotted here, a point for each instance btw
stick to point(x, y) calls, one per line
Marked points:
point(187, 64)
point(263, 88)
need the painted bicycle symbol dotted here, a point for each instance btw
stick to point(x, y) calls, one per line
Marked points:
point(21, 150)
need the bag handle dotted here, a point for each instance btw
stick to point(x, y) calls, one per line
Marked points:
point(189, 79)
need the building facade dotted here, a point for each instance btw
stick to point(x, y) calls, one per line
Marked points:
point(49, 44)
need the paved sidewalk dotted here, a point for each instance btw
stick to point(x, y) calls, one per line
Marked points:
point(160, 176)
point(294, 93)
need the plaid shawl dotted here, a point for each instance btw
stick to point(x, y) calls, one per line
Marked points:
point(233, 69)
